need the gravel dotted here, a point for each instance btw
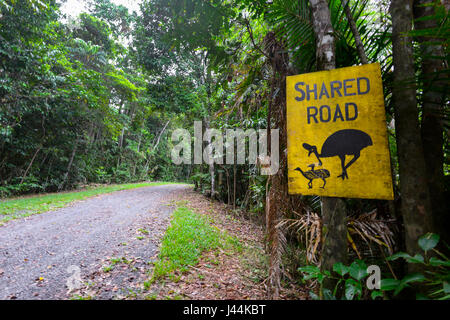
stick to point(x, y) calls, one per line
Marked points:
point(40, 254)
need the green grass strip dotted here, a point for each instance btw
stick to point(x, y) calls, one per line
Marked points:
point(188, 236)
point(16, 208)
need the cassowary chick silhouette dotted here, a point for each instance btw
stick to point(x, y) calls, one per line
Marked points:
point(347, 142)
point(314, 174)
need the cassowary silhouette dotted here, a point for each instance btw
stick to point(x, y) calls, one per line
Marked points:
point(314, 174)
point(347, 142)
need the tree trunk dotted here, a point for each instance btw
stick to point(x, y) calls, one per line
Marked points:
point(433, 99)
point(334, 217)
point(154, 147)
point(213, 177)
point(31, 163)
point(334, 233)
point(277, 197)
point(228, 186)
point(36, 153)
point(120, 147)
point(358, 42)
point(66, 175)
point(415, 204)
point(234, 186)
point(325, 46)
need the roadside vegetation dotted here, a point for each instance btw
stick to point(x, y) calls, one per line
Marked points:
point(226, 261)
point(187, 238)
point(205, 252)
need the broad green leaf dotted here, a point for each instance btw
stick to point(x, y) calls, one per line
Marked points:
point(416, 259)
point(389, 284)
point(414, 277)
point(398, 255)
point(320, 277)
point(310, 276)
point(340, 268)
point(352, 288)
point(435, 262)
point(358, 270)
point(309, 269)
point(311, 272)
point(375, 294)
point(428, 241)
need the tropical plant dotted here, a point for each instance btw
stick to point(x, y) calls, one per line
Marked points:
point(349, 280)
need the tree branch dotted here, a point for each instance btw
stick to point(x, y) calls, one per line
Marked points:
point(249, 29)
point(358, 42)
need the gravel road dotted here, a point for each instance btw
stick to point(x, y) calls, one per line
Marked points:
point(42, 254)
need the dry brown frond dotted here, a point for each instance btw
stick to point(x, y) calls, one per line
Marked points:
point(308, 226)
point(366, 227)
point(370, 229)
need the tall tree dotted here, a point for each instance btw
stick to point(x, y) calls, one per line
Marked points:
point(415, 199)
point(434, 82)
point(334, 217)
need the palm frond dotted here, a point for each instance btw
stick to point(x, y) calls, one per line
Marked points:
point(292, 23)
point(366, 227)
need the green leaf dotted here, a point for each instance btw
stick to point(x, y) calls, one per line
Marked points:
point(311, 272)
point(399, 288)
point(421, 296)
point(340, 269)
point(389, 284)
point(358, 269)
point(428, 241)
point(414, 277)
point(375, 294)
point(310, 276)
point(309, 269)
point(446, 286)
point(320, 277)
point(416, 259)
point(397, 255)
point(352, 288)
point(435, 262)
point(327, 295)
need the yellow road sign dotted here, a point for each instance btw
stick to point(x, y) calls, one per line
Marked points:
point(337, 137)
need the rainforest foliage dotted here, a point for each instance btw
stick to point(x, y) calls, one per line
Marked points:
point(94, 99)
point(77, 107)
